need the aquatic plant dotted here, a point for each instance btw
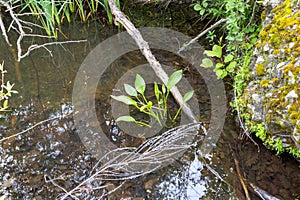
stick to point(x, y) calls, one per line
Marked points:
point(138, 99)
point(5, 92)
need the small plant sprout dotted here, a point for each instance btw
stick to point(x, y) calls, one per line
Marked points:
point(6, 90)
point(136, 97)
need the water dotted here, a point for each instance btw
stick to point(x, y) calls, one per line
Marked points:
point(52, 153)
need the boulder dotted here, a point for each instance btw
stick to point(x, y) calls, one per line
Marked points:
point(273, 92)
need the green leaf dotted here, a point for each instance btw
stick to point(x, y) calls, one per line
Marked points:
point(124, 99)
point(174, 79)
point(228, 58)
point(219, 73)
point(130, 90)
point(197, 7)
point(139, 84)
point(219, 65)
point(188, 95)
point(231, 66)
point(205, 4)
point(8, 86)
point(202, 12)
point(5, 104)
point(144, 107)
point(125, 119)
point(218, 50)
point(210, 53)
point(206, 62)
point(224, 74)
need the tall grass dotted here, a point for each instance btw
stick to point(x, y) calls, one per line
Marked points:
point(52, 13)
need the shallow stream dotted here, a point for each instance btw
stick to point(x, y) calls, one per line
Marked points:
point(53, 150)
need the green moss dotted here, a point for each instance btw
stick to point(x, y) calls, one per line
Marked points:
point(264, 83)
point(282, 35)
point(260, 69)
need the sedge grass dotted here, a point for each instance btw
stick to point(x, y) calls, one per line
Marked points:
point(52, 13)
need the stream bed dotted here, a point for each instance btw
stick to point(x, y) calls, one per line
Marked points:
point(33, 164)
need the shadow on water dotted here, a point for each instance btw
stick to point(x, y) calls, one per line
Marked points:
point(53, 150)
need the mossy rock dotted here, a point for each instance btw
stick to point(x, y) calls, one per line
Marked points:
point(273, 93)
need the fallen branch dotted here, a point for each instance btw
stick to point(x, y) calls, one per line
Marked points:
point(201, 34)
point(145, 49)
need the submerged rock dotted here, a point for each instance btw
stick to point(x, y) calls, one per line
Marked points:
point(273, 93)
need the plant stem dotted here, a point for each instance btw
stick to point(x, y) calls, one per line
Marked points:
point(177, 113)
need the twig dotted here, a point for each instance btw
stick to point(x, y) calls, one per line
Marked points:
point(201, 34)
point(262, 194)
point(239, 174)
point(252, 15)
point(36, 46)
point(32, 127)
point(145, 50)
point(4, 32)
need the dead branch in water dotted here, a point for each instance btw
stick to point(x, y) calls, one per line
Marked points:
point(128, 163)
point(145, 50)
point(20, 26)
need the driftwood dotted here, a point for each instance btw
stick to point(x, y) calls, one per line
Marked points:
point(145, 50)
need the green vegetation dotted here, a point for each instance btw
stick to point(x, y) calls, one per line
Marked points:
point(138, 99)
point(231, 49)
point(241, 33)
point(51, 13)
point(225, 65)
point(241, 29)
point(5, 92)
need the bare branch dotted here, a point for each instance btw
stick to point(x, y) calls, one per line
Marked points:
point(201, 34)
point(4, 32)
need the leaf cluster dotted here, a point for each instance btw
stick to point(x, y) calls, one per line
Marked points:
point(226, 64)
point(136, 97)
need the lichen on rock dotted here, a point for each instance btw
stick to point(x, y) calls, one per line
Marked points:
point(273, 93)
